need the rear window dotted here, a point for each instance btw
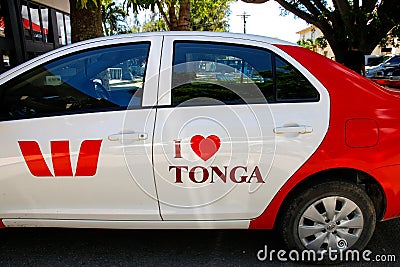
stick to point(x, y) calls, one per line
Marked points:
point(218, 73)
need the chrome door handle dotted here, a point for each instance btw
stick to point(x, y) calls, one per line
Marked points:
point(128, 136)
point(293, 129)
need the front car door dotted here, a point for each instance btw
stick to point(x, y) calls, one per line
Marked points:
point(236, 119)
point(70, 124)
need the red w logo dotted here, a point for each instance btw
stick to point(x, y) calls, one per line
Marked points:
point(60, 156)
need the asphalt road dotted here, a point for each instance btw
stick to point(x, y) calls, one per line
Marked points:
point(98, 247)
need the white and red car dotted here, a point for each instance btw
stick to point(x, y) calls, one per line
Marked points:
point(199, 130)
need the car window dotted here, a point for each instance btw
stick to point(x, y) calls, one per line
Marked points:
point(207, 74)
point(291, 85)
point(96, 80)
point(217, 73)
point(376, 61)
point(394, 61)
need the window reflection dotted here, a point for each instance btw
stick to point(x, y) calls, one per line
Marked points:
point(216, 73)
point(61, 29)
point(36, 28)
point(45, 22)
point(2, 21)
point(291, 84)
point(213, 74)
point(26, 21)
point(104, 79)
point(68, 28)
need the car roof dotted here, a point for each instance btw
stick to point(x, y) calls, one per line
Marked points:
point(125, 38)
point(193, 33)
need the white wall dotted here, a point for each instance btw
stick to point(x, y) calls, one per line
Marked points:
point(62, 5)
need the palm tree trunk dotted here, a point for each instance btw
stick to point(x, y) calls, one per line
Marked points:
point(184, 16)
point(173, 26)
point(105, 28)
point(86, 23)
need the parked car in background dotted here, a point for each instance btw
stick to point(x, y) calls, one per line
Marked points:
point(199, 130)
point(369, 59)
point(388, 77)
point(381, 63)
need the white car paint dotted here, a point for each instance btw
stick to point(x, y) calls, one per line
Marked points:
point(112, 193)
point(126, 187)
point(248, 139)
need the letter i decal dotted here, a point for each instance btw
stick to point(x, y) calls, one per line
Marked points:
point(178, 149)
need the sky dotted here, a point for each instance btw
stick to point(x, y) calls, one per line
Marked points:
point(265, 20)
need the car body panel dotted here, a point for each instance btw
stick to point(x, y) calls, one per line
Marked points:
point(370, 102)
point(110, 192)
point(134, 185)
point(127, 224)
point(247, 139)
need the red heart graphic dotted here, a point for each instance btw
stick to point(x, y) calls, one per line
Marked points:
point(205, 148)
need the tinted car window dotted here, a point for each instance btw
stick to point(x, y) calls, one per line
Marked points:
point(96, 80)
point(394, 61)
point(291, 85)
point(216, 73)
point(206, 74)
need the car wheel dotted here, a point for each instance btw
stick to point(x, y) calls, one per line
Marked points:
point(334, 215)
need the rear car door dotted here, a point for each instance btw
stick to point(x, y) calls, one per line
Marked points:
point(69, 126)
point(236, 119)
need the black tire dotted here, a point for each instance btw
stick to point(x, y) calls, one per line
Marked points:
point(295, 216)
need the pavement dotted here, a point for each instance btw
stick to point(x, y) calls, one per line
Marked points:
point(102, 247)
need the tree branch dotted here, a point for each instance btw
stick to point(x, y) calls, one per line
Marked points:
point(298, 12)
point(323, 25)
point(391, 8)
point(321, 6)
point(342, 6)
point(368, 5)
point(356, 4)
point(344, 9)
point(311, 8)
point(161, 9)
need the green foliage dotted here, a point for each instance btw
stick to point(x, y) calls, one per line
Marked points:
point(155, 24)
point(348, 23)
point(311, 44)
point(321, 42)
point(87, 3)
point(205, 15)
point(138, 5)
point(112, 17)
point(392, 38)
point(209, 15)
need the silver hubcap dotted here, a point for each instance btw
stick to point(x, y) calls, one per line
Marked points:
point(331, 222)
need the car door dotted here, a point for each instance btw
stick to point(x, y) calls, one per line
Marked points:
point(236, 119)
point(70, 123)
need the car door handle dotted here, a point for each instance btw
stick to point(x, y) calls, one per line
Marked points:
point(128, 136)
point(293, 129)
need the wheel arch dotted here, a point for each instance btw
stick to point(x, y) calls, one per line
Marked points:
point(268, 219)
point(368, 183)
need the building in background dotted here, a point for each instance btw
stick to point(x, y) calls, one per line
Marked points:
point(388, 49)
point(31, 28)
point(311, 34)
